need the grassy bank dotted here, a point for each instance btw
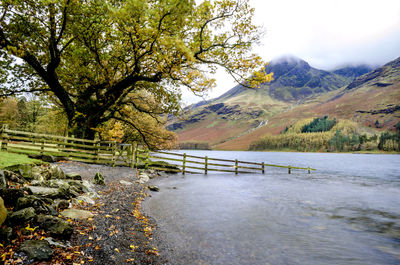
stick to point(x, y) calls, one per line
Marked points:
point(9, 159)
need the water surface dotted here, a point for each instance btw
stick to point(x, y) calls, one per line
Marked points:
point(347, 212)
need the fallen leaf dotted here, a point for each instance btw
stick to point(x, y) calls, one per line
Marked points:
point(117, 250)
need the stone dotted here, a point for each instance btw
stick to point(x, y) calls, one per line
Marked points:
point(49, 158)
point(153, 188)
point(56, 172)
point(11, 196)
point(60, 204)
point(37, 249)
point(54, 243)
point(3, 212)
point(11, 176)
point(3, 181)
point(143, 178)
point(124, 182)
point(73, 175)
point(83, 199)
point(24, 170)
point(99, 179)
point(45, 191)
point(7, 234)
point(77, 214)
point(55, 226)
point(37, 203)
point(21, 216)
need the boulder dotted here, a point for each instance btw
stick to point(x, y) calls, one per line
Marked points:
point(3, 181)
point(37, 203)
point(77, 214)
point(3, 212)
point(55, 226)
point(37, 249)
point(73, 175)
point(11, 196)
point(99, 179)
point(21, 216)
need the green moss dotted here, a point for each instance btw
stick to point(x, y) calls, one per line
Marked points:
point(9, 159)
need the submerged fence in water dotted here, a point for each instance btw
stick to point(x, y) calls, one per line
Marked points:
point(117, 154)
point(198, 164)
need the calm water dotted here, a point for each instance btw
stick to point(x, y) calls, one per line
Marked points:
point(347, 212)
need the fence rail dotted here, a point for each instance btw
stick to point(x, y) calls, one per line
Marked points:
point(113, 153)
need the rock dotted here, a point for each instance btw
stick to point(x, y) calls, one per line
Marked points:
point(60, 204)
point(11, 196)
point(11, 176)
point(3, 212)
point(49, 158)
point(6, 234)
point(99, 179)
point(83, 199)
point(55, 226)
point(37, 249)
point(24, 170)
point(124, 182)
point(54, 243)
point(21, 216)
point(56, 172)
point(143, 178)
point(37, 203)
point(77, 214)
point(46, 192)
point(153, 188)
point(73, 175)
point(3, 182)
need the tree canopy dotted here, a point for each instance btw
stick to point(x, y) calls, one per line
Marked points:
point(114, 59)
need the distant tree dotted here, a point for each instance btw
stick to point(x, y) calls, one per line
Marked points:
point(92, 57)
point(319, 125)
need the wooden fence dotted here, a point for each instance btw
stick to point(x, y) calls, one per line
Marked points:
point(113, 153)
point(92, 151)
point(197, 164)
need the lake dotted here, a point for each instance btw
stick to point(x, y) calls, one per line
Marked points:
point(346, 212)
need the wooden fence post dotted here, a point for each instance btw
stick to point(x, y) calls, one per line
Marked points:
point(146, 165)
point(309, 170)
point(3, 136)
point(236, 166)
point(114, 149)
point(136, 159)
point(289, 171)
point(42, 148)
point(205, 165)
point(184, 164)
point(262, 168)
point(133, 154)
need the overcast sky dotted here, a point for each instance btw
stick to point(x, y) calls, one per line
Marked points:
point(325, 33)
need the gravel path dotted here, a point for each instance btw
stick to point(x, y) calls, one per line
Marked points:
point(119, 233)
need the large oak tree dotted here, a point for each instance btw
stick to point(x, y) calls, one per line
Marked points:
point(106, 59)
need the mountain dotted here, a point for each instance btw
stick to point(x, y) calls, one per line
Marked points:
point(295, 79)
point(238, 117)
point(382, 76)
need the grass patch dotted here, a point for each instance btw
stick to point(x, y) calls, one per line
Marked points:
point(9, 159)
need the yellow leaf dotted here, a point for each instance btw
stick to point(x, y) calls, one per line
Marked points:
point(117, 250)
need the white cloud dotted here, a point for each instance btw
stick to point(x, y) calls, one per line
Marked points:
point(325, 33)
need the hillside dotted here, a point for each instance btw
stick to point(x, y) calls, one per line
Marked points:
point(240, 116)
